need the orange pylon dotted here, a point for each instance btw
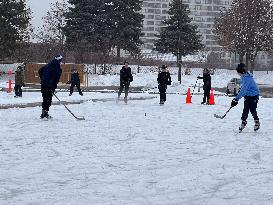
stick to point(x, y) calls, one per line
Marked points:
point(188, 98)
point(211, 98)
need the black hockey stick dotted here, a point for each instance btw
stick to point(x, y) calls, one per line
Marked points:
point(78, 118)
point(222, 117)
point(194, 86)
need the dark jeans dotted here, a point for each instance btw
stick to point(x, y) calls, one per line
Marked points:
point(250, 104)
point(122, 86)
point(162, 91)
point(206, 96)
point(78, 87)
point(47, 98)
point(18, 90)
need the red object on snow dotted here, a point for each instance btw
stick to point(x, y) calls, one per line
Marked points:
point(188, 98)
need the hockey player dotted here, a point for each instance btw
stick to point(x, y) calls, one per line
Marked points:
point(250, 91)
point(207, 85)
point(50, 76)
point(164, 79)
point(75, 81)
point(126, 78)
point(19, 81)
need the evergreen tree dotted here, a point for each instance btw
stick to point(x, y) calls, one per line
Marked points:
point(88, 26)
point(127, 24)
point(180, 36)
point(14, 26)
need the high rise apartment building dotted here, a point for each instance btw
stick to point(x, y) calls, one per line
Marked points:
point(203, 13)
point(155, 12)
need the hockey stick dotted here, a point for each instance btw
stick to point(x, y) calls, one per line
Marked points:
point(222, 117)
point(78, 118)
point(194, 86)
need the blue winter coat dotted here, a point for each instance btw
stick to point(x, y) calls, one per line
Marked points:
point(248, 87)
point(50, 75)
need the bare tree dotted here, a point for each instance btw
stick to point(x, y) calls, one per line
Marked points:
point(246, 28)
point(51, 35)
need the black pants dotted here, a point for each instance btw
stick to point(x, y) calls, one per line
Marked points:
point(206, 95)
point(78, 87)
point(18, 90)
point(250, 104)
point(122, 86)
point(47, 98)
point(162, 92)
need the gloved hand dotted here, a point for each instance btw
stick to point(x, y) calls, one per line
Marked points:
point(23, 85)
point(234, 102)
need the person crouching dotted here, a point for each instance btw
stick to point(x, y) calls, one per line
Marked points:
point(75, 81)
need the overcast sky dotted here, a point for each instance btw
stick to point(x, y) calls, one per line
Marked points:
point(39, 9)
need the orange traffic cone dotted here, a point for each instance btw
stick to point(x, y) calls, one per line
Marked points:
point(188, 98)
point(211, 98)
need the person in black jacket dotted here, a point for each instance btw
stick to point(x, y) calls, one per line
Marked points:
point(75, 81)
point(164, 79)
point(207, 85)
point(50, 75)
point(126, 78)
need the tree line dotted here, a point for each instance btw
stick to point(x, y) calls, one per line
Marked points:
point(84, 28)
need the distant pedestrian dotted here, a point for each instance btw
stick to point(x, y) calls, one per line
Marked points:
point(164, 79)
point(19, 81)
point(50, 76)
point(207, 85)
point(126, 78)
point(250, 91)
point(75, 81)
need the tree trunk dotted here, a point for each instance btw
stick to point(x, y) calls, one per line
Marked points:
point(118, 52)
point(179, 63)
point(247, 61)
point(252, 63)
point(241, 58)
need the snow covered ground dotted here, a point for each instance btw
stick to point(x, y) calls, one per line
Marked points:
point(134, 154)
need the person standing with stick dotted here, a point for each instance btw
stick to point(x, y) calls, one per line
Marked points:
point(50, 76)
point(250, 91)
point(207, 85)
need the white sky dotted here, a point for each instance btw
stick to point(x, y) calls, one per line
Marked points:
point(39, 9)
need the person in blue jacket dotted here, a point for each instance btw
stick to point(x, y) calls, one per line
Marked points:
point(50, 75)
point(250, 91)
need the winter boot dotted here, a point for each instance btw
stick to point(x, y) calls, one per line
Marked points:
point(44, 114)
point(243, 125)
point(125, 100)
point(70, 94)
point(257, 125)
point(161, 102)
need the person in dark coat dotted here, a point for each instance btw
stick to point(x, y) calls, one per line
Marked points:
point(50, 75)
point(19, 81)
point(250, 91)
point(207, 85)
point(164, 79)
point(75, 81)
point(126, 78)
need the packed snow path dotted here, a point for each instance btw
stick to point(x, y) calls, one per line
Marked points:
point(136, 154)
